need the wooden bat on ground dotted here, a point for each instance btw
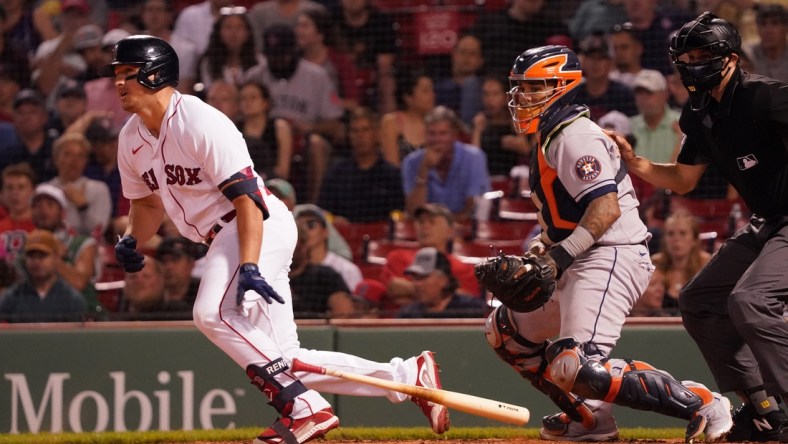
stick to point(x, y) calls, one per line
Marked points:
point(475, 405)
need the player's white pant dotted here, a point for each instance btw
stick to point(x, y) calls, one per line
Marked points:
point(257, 332)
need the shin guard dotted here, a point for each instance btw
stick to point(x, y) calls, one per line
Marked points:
point(281, 397)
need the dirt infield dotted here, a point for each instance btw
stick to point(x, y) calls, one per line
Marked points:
point(455, 441)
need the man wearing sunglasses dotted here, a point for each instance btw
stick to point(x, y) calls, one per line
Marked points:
point(733, 308)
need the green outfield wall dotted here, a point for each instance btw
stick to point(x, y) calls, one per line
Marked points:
point(167, 376)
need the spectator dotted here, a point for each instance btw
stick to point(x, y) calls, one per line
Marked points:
point(404, 131)
point(194, 21)
point(316, 38)
point(307, 98)
point(143, 295)
point(87, 43)
point(270, 140)
point(318, 290)
point(223, 95)
point(25, 25)
point(654, 26)
point(492, 130)
point(231, 50)
point(89, 205)
point(17, 193)
point(278, 12)
point(446, 171)
point(302, 93)
point(80, 261)
point(770, 55)
point(371, 39)
point(177, 257)
point(70, 105)
point(524, 24)
point(680, 257)
point(598, 92)
point(15, 63)
point(655, 127)
point(363, 188)
point(43, 296)
point(157, 18)
point(434, 228)
point(435, 290)
point(57, 58)
point(594, 16)
point(627, 53)
point(317, 234)
point(460, 92)
point(100, 92)
point(10, 84)
point(103, 164)
point(32, 145)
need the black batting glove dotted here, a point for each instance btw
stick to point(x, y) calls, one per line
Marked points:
point(250, 279)
point(127, 255)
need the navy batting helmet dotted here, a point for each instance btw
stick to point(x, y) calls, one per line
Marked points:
point(157, 60)
point(707, 33)
point(555, 67)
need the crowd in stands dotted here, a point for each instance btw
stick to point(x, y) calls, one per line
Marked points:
point(393, 147)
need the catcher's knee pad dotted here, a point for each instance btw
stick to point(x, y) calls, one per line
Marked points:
point(643, 387)
point(281, 397)
point(572, 371)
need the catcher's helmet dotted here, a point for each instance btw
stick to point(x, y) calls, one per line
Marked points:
point(708, 33)
point(158, 61)
point(553, 72)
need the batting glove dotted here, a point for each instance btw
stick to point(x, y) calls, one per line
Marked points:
point(127, 255)
point(250, 279)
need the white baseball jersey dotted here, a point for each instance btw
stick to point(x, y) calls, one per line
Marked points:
point(197, 149)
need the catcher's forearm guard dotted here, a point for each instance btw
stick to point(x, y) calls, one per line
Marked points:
point(522, 284)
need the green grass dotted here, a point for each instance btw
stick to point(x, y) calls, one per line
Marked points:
point(342, 434)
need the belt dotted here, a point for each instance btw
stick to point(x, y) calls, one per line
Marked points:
point(217, 227)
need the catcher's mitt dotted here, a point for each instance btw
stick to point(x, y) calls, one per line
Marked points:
point(521, 291)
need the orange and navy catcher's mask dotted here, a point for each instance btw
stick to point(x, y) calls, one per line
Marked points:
point(540, 77)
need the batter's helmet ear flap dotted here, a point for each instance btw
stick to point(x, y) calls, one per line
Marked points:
point(157, 60)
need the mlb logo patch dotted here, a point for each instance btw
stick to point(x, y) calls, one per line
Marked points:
point(747, 162)
point(588, 168)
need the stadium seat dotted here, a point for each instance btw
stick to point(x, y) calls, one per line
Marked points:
point(358, 235)
point(502, 230)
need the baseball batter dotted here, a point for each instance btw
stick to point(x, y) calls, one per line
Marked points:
point(594, 241)
point(180, 156)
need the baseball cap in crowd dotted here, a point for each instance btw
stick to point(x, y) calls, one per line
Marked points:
point(766, 11)
point(594, 44)
point(50, 191)
point(28, 97)
point(435, 209)
point(71, 88)
point(650, 80)
point(113, 36)
point(282, 188)
point(41, 240)
point(175, 246)
point(428, 260)
point(616, 121)
point(80, 6)
point(311, 210)
point(278, 40)
point(88, 36)
point(370, 291)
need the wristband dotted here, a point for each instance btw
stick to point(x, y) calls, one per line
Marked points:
point(562, 259)
point(578, 242)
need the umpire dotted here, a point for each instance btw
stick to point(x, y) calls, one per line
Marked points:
point(733, 308)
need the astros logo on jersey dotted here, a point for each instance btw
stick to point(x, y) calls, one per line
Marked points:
point(588, 168)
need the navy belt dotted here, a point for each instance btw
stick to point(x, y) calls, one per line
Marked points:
point(217, 227)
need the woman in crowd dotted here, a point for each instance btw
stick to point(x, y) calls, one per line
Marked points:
point(270, 141)
point(231, 51)
point(404, 131)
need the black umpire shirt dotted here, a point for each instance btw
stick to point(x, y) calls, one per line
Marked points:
point(745, 136)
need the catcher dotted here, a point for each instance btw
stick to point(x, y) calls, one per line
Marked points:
point(582, 274)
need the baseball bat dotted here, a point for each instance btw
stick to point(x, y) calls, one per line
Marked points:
point(475, 405)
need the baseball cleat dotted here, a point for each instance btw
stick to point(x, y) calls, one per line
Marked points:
point(427, 376)
point(712, 419)
point(559, 427)
point(288, 430)
point(748, 425)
